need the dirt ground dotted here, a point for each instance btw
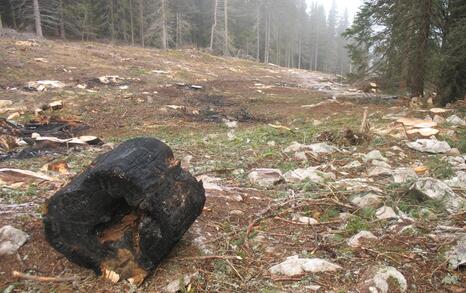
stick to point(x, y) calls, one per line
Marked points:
point(155, 98)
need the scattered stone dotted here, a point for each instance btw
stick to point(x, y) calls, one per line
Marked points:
point(363, 235)
point(186, 162)
point(404, 175)
point(107, 79)
point(236, 213)
point(231, 134)
point(305, 220)
point(396, 148)
point(457, 255)
point(352, 165)
point(438, 190)
point(374, 155)
point(430, 146)
point(378, 280)
point(300, 156)
point(42, 85)
point(11, 239)
point(381, 164)
point(344, 216)
point(311, 174)
point(210, 183)
point(295, 147)
point(294, 266)
point(458, 162)
point(385, 213)
point(459, 181)
point(265, 177)
point(356, 185)
point(230, 123)
point(439, 119)
point(322, 148)
point(271, 143)
point(179, 285)
point(370, 200)
point(379, 171)
point(317, 148)
point(454, 152)
point(455, 120)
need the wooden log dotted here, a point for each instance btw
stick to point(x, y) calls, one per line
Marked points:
point(123, 215)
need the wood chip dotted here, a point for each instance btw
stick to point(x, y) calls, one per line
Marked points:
point(418, 123)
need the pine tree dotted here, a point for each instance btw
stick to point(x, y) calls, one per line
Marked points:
point(453, 70)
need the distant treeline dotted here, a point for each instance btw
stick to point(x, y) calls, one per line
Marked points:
point(285, 32)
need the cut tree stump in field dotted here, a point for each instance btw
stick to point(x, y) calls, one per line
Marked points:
point(123, 215)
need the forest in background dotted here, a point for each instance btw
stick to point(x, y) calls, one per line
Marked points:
point(283, 32)
point(414, 48)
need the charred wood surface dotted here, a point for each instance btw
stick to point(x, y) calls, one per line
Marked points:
point(126, 211)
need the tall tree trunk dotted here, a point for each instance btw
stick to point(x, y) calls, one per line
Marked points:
point(37, 20)
point(131, 21)
point(1, 24)
point(277, 48)
point(226, 37)
point(316, 52)
point(141, 21)
point(300, 50)
point(258, 33)
point(214, 25)
point(164, 26)
point(422, 39)
point(267, 38)
point(177, 35)
point(13, 14)
point(62, 20)
point(112, 20)
point(452, 81)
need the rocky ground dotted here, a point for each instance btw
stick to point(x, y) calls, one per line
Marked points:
point(311, 186)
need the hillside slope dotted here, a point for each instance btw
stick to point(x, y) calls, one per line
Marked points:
point(225, 117)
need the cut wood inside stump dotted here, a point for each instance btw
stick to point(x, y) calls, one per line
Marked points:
point(125, 213)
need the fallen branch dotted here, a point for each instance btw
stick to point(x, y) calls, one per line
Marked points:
point(24, 276)
point(288, 279)
point(307, 224)
point(207, 257)
point(363, 126)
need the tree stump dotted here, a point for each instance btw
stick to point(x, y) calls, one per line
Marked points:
point(123, 215)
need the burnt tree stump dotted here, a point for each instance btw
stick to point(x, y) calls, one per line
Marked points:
point(123, 215)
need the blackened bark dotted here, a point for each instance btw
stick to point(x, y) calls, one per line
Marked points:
point(126, 212)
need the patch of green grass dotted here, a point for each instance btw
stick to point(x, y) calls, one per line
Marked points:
point(183, 75)
point(450, 279)
point(138, 71)
point(460, 143)
point(356, 224)
point(329, 214)
point(414, 204)
point(440, 168)
point(367, 213)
